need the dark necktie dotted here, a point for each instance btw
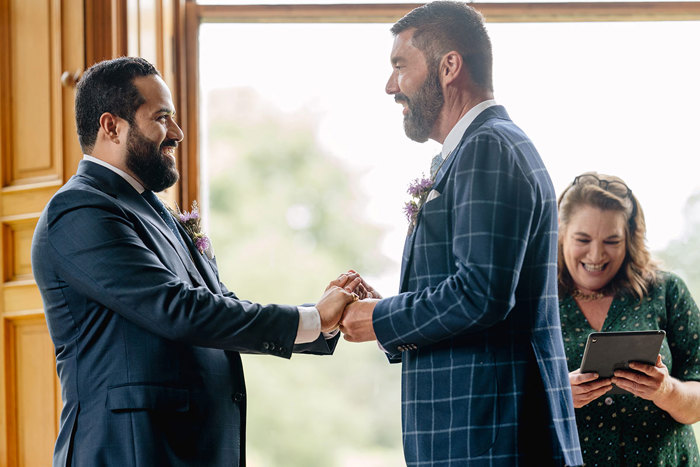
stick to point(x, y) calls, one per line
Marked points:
point(159, 207)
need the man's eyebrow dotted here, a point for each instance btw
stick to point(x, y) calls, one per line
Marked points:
point(397, 59)
point(165, 110)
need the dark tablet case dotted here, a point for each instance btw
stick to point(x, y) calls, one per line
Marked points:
point(609, 351)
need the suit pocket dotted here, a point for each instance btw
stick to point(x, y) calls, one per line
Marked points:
point(136, 397)
point(479, 409)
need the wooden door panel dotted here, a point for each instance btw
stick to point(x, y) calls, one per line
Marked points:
point(40, 40)
point(31, 380)
point(36, 93)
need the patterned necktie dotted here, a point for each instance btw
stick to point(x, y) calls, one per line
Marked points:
point(159, 207)
point(435, 165)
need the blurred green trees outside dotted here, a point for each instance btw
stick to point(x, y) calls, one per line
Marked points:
point(682, 256)
point(286, 218)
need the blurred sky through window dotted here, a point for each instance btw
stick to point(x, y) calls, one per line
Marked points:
point(618, 98)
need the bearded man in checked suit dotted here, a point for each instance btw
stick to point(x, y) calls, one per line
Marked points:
point(476, 322)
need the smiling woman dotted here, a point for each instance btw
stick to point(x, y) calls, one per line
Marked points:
point(608, 282)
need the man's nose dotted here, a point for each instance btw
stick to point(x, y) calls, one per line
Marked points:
point(392, 86)
point(175, 132)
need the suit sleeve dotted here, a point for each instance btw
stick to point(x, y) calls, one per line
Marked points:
point(320, 346)
point(492, 208)
point(97, 251)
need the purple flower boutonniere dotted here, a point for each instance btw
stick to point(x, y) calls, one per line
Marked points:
point(418, 189)
point(192, 223)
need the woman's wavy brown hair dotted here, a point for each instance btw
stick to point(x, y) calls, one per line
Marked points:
point(638, 271)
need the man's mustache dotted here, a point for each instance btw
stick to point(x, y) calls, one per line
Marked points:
point(169, 143)
point(398, 98)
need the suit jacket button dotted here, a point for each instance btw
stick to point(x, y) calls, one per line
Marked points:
point(266, 345)
point(237, 397)
point(272, 346)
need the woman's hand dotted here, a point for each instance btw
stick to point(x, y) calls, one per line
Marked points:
point(650, 382)
point(586, 387)
point(681, 399)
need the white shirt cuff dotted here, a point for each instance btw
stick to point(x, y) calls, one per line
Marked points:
point(309, 325)
point(330, 335)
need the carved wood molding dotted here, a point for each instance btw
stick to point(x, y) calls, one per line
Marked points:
point(493, 12)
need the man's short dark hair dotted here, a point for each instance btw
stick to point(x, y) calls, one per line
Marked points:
point(444, 26)
point(108, 86)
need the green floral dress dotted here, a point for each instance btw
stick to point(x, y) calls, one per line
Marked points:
point(624, 430)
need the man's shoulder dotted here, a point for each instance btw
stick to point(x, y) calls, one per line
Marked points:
point(79, 191)
point(496, 126)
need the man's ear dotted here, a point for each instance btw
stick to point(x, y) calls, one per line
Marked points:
point(112, 127)
point(451, 67)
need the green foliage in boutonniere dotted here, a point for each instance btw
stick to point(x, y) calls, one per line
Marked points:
point(192, 223)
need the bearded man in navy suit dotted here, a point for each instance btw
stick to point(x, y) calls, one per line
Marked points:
point(476, 322)
point(147, 338)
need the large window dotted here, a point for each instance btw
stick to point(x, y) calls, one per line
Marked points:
point(305, 165)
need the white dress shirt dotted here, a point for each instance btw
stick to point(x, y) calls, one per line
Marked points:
point(457, 132)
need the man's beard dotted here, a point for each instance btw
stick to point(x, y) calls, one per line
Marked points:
point(424, 108)
point(146, 160)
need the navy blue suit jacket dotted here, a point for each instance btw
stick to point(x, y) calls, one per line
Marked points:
point(146, 336)
point(476, 324)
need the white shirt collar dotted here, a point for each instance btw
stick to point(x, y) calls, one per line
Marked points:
point(455, 135)
point(132, 181)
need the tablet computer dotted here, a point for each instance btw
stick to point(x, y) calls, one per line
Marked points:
point(606, 352)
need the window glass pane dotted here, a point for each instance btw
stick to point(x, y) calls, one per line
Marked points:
point(306, 166)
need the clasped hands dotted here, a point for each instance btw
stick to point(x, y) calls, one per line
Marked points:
point(348, 304)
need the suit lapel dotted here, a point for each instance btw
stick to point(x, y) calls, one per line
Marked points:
point(441, 178)
point(202, 263)
point(406, 259)
point(114, 185)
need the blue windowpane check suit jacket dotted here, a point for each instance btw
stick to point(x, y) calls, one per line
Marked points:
point(147, 338)
point(476, 322)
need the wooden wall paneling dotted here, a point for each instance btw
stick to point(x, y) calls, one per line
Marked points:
point(495, 12)
point(5, 91)
point(7, 441)
point(106, 34)
point(33, 385)
point(99, 36)
point(187, 38)
point(17, 242)
point(35, 58)
point(72, 61)
point(43, 55)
